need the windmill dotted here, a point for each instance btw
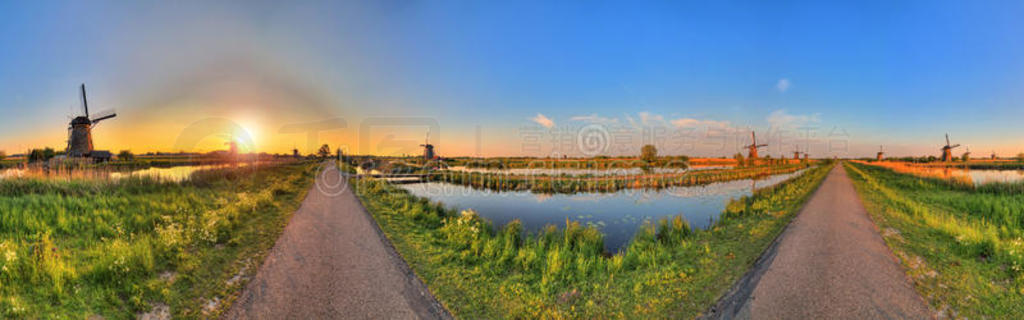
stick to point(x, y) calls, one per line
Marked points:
point(428, 149)
point(967, 154)
point(880, 153)
point(947, 151)
point(796, 153)
point(80, 130)
point(994, 155)
point(752, 153)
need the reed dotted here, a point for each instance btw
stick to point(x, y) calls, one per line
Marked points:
point(611, 183)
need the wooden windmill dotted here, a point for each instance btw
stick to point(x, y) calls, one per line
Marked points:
point(947, 151)
point(967, 154)
point(80, 130)
point(752, 148)
point(428, 149)
point(880, 154)
point(796, 153)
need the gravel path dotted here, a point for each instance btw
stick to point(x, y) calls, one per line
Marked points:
point(830, 263)
point(332, 262)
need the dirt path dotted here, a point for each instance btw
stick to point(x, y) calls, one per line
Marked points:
point(332, 262)
point(830, 263)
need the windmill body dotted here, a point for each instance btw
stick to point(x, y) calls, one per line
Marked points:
point(947, 150)
point(80, 131)
point(880, 153)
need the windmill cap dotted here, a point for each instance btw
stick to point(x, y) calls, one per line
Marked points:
point(80, 120)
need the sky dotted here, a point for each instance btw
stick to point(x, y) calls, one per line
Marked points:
point(489, 78)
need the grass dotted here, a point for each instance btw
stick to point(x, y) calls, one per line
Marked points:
point(962, 246)
point(572, 184)
point(115, 248)
point(479, 271)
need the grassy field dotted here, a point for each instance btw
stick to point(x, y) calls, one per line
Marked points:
point(963, 246)
point(668, 271)
point(115, 248)
point(610, 183)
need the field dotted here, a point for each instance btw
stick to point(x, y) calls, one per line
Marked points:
point(479, 271)
point(117, 248)
point(962, 246)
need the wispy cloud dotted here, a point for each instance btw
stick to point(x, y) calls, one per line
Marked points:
point(698, 123)
point(783, 85)
point(779, 119)
point(594, 118)
point(650, 119)
point(544, 121)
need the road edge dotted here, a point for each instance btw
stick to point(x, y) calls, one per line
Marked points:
point(731, 303)
point(434, 309)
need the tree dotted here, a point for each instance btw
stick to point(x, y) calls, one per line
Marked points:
point(125, 155)
point(739, 159)
point(3, 155)
point(649, 153)
point(325, 151)
point(966, 157)
point(41, 154)
point(1020, 156)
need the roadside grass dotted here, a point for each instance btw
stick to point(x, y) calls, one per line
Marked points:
point(117, 248)
point(668, 271)
point(963, 246)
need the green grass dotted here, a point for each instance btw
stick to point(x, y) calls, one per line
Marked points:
point(72, 249)
point(962, 246)
point(668, 271)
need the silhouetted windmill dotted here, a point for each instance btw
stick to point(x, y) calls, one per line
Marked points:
point(880, 153)
point(428, 149)
point(947, 151)
point(796, 152)
point(993, 155)
point(752, 148)
point(967, 155)
point(80, 130)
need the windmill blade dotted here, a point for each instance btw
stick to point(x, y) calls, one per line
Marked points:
point(947, 139)
point(104, 115)
point(954, 146)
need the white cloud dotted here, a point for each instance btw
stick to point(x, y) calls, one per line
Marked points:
point(697, 123)
point(783, 84)
point(648, 119)
point(779, 119)
point(594, 118)
point(544, 121)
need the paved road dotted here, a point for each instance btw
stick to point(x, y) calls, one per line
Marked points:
point(830, 263)
point(332, 262)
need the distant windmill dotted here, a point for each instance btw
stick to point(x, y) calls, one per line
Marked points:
point(967, 155)
point(752, 153)
point(880, 153)
point(947, 151)
point(428, 149)
point(993, 155)
point(796, 152)
point(80, 130)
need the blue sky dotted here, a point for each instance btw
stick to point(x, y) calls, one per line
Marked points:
point(900, 74)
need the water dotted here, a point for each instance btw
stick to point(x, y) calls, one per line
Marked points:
point(580, 172)
point(174, 174)
point(618, 215)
